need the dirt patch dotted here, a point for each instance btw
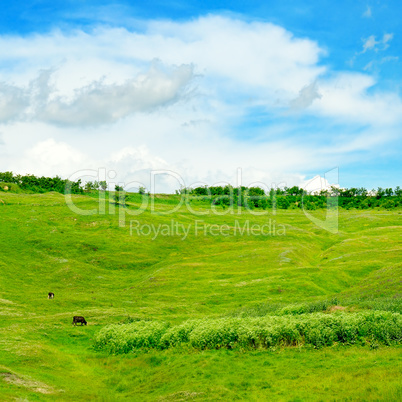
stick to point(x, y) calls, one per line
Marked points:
point(337, 308)
point(182, 396)
point(35, 386)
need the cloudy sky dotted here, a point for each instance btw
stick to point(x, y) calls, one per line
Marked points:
point(283, 90)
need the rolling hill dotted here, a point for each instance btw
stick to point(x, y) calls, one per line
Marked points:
point(173, 264)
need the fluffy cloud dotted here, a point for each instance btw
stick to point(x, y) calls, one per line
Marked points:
point(84, 100)
point(97, 103)
point(374, 64)
point(371, 43)
point(368, 13)
point(229, 55)
point(48, 158)
point(317, 184)
point(13, 102)
point(347, 96)
point(306, 97)
point(260, 55)
point(89, 79)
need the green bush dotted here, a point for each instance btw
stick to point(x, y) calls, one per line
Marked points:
point(123, 338)
point(317, 329)
point(177, 335)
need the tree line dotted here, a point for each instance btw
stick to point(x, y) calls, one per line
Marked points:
point(42, 184)
point(296, 197)
point(295, 190)
point(225, 196)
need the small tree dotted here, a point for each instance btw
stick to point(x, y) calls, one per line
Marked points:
point(362, 192)
point(389, 192)
point(120, 196)
point(380, 192)
point(335, 191)
point(103, 185)
point(88, 186)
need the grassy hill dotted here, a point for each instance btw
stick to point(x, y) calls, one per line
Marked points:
point(111, 273)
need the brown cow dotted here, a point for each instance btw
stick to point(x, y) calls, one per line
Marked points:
point(77, 319)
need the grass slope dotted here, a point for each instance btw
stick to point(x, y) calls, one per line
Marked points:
point(100, 270)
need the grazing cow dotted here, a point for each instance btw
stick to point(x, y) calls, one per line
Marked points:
point(77, 319)
point(50, 295)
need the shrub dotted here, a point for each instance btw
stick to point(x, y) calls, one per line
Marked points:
point(317, 329)
point(125, 337)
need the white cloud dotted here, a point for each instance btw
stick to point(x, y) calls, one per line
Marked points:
point(306, 97)
point(49, 157)
point(371, 43)
point(130, 160)
point(389, 58)
point(151, 143)
point(317, 184)
point(97, 103)
point(373, 64)
point(87, 100)
point(100, 103)
point(13, 102)
point(254, 54)
point(257, 57)
point(368, 13)
point(347, 96)
point(385, 39)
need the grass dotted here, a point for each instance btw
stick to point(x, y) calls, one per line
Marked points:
point(97, 269)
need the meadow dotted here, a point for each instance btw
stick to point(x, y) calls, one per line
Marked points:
point(199, 283)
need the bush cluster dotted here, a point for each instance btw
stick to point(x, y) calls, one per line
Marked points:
point(317, 329)
point(41, 184)
point(296, 197)
point(308, 202)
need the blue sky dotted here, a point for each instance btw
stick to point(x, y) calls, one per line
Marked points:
point(283, 90)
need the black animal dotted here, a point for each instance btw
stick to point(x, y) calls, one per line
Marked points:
point(50, 295)
point(77, 319)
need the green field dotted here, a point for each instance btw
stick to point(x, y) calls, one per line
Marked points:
point(223, 268)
